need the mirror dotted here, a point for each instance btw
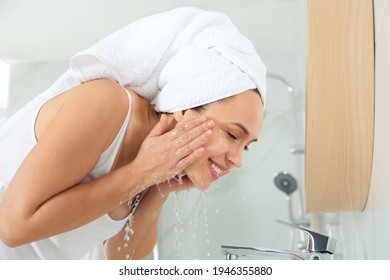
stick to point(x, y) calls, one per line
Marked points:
point(239, 209)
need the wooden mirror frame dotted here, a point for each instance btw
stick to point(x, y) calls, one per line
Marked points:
point(339, 105)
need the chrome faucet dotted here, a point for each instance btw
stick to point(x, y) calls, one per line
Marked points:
point(319, 247)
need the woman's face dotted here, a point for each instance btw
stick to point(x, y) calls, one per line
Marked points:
point(238, 121)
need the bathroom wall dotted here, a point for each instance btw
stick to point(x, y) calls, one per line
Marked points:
point(365, 235)
point(4, 83)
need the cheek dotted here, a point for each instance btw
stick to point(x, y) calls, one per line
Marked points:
point(217, 143)
point(198, 172)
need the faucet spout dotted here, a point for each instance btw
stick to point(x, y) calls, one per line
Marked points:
point(235, 252)
point(316, 242)
point(319, 247)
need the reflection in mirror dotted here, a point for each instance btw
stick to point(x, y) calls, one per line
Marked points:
point(238, 209)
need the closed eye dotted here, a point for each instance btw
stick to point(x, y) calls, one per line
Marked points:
point(235, 138)
point(232, 136)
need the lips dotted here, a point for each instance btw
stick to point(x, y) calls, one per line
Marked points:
point(217, 170)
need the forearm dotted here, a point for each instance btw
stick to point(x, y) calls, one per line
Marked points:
point(145, 227)
point(72, 208)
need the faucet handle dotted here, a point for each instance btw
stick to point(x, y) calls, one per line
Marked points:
point(317, 242)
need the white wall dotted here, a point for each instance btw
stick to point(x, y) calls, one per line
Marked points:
point(4, 90)
point(365, 235)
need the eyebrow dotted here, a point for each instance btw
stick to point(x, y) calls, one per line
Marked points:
point(245, 130)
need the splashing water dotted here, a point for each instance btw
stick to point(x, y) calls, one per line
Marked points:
point(178, 228)
point(217, 199)
point(160, 191)
point(180, 178)
point(178, 225)
point(129, 231)
point(206, 222)
point(202, 202)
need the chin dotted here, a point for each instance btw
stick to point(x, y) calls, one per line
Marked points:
point(199, 182)
point(202, 188)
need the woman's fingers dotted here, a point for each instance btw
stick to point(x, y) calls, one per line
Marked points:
point(189, 159)
point(189, 145)
point(186, 126)
point(164, 154)
point(186, 133)
point(160, 127)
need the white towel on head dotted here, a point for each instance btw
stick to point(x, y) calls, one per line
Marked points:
point(178, 59)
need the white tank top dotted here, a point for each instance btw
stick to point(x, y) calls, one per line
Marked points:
point(74, 244)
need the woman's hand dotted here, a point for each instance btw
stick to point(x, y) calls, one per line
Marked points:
point(165, 153)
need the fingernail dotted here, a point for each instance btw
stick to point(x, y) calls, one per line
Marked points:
point(200, 151)
point(210, 123)
point(207, 133)
point(202, 118)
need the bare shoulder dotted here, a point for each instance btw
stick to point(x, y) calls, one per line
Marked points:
point(75, 130)
point(103, 93)
point(100, 103)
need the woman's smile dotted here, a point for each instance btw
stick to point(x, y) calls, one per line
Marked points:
point(217, 170)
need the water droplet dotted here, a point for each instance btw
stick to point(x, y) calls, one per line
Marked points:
point(177, 227)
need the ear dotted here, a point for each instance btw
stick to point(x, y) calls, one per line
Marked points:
point(178, 115)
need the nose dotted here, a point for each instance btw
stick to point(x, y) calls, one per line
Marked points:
point(235, 157)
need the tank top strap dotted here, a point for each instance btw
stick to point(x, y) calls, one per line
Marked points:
point(107, 158)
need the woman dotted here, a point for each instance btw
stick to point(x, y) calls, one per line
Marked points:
point(111, 136)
